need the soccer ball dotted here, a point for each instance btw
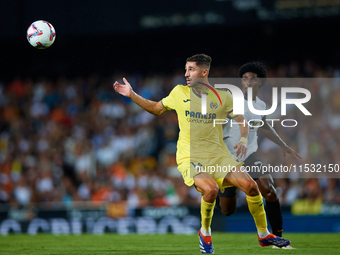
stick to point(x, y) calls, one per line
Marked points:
point(41, 34)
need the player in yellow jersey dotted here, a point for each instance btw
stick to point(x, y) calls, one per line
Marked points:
point(201, 152)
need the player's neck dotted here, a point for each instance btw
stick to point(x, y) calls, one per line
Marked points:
point(246, 97)
point(199, 90)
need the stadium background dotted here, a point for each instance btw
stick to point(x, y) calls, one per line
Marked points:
point(75, 156)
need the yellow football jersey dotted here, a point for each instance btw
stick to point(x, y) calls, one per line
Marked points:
point(199, 138)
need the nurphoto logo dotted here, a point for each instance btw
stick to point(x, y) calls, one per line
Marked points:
point(238, 103)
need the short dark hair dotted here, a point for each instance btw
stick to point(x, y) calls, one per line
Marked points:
point(254, 67)
point(201, 60)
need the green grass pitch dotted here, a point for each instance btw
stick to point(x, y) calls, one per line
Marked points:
point(224, 243)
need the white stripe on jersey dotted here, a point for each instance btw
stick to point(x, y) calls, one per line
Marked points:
point(231, 131)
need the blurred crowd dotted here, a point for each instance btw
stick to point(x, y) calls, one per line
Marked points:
point(75, 140)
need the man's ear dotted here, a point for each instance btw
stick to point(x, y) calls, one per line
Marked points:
point(205, 72)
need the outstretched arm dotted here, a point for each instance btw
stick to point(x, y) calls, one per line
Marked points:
point(153, 107)
point(241, 146)
point(269, 132)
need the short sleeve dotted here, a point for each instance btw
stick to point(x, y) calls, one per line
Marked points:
point(169, 102)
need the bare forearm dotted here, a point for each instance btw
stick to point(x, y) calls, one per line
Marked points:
point(241, 146)
point(152, 107)
point(244, 131)
point(244, 128)
point(270, 133)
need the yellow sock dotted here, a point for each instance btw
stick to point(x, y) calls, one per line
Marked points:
point(256, 208)
point(207, 211)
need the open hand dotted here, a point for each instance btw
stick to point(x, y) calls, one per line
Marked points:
point(241, 150)
point(289, 150)
point(123, 89)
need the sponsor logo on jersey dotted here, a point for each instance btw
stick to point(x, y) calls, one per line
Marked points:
point(199, 115)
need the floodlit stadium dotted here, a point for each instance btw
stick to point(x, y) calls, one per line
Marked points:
point(129, 131)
